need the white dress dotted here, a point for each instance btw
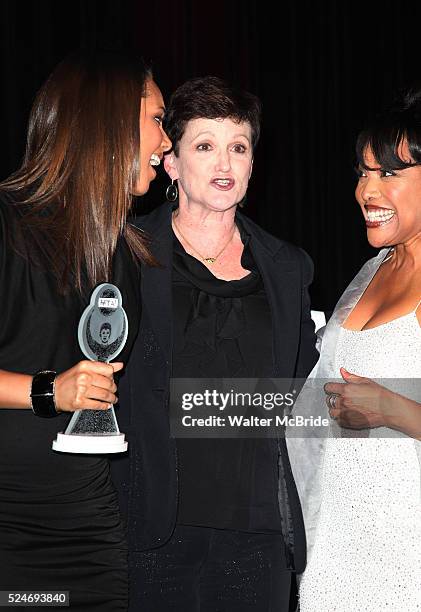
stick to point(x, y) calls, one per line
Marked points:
point(367, 545)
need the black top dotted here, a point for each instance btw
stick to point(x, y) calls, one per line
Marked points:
point(39, 331)
point(223, 329)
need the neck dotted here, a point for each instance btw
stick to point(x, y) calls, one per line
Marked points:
point(408, 254)
point(195, 218)
point(206, 234)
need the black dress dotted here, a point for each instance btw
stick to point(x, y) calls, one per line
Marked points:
point(60, 526)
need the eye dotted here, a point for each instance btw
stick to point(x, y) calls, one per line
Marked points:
point(385, 173)
point(159, 119)
point(204, 146)
point(360, 173)
point(239, 148)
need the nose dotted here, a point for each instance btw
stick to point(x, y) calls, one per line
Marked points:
point(370, 188)
point(223, 162)
point(166, 143)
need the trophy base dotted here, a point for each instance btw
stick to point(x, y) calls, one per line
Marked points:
point(77, 443)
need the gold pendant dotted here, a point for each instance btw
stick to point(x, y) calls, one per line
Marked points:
point(210, 260)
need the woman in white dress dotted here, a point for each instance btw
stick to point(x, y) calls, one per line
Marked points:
point(360, 484)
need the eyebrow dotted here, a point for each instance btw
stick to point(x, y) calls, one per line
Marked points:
point(372, 168)
point(205, 132)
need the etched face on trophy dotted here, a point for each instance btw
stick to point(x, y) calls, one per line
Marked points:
point(102, 334)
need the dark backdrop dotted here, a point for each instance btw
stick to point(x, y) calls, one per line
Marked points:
point(321, 68)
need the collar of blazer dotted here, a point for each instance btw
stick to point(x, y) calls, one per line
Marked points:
point(156, 224)
point(279, 266)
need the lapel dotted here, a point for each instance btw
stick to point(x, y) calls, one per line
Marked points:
point(281, 277)
point(282, 280)
point(156, 283)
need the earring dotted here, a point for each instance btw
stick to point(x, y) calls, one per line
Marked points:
point(172, 192)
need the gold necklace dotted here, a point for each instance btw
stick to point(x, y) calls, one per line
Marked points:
point(208, 260)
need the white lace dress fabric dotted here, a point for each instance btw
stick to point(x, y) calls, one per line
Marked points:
point(367, 550)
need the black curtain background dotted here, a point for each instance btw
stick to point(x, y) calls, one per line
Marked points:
point(320, 68)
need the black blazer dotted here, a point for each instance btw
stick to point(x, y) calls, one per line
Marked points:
point(147, 479)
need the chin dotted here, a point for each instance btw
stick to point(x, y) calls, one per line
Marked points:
point(379, 242)
point(140, 189)
point(221, 206)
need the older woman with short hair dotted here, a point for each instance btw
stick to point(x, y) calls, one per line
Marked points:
point(222, 528)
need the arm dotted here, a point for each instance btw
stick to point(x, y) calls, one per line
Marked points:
point(405, 416)
point(87, 385)
point(14, 390)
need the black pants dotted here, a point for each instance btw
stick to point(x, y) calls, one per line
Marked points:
point(211, 570)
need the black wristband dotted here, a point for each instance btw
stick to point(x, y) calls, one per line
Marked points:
point(42, 394)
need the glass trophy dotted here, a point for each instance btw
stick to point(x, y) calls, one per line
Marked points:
point(102, 334)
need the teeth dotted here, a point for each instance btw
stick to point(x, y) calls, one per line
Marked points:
point(155, 161)
point(380, 215)
point(224, 182)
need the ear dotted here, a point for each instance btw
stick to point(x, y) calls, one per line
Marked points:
point(170, 166)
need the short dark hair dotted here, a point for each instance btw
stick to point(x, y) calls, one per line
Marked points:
point(386, 133)
point(210, 97)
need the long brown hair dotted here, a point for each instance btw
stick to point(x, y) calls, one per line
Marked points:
point(81, 162)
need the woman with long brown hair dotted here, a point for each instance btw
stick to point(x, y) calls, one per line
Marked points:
point(95, 133)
